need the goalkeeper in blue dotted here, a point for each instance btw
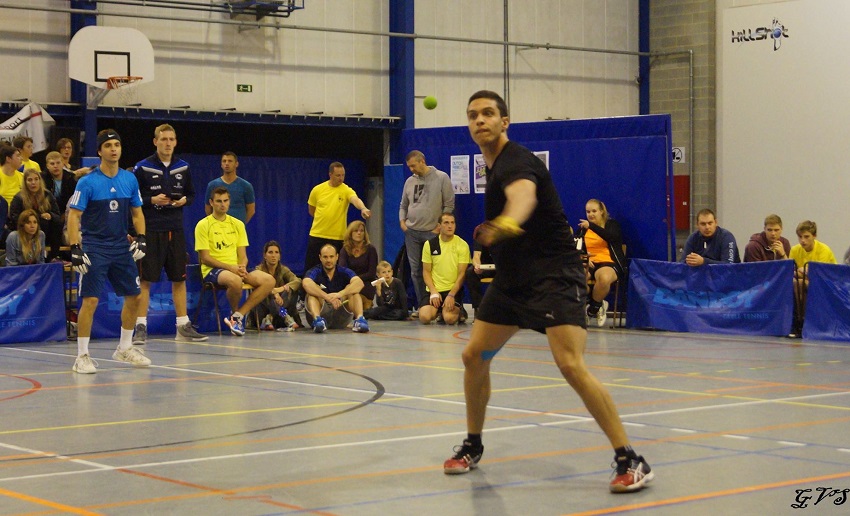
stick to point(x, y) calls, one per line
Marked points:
point(103, 203)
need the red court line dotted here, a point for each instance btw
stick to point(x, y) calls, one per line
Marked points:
point(711, 495)
point(36, 386)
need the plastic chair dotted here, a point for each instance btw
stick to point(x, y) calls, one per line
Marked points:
point(215, 288)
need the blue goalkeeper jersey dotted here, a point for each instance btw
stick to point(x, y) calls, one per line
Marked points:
point(105, 203)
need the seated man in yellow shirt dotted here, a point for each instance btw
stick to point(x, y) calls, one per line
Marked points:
point(221, 241)
point(808, 250)
point(444, 261)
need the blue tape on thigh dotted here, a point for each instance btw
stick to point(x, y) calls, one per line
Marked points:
point(489, 354)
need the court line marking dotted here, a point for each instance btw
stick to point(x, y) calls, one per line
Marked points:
point(47, 503)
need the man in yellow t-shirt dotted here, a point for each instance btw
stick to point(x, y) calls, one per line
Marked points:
point(221, 241)
point(328, 205)
point(444, 261)
point(808, 250)
point(24, 144)
point(11, 181)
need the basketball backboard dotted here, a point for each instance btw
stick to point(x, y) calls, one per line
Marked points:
point(97, 53)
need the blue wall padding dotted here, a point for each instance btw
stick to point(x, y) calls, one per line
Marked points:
point(625, 162)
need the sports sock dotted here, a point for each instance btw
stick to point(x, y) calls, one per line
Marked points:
point(142, 320)
point(183, 319)
point(82, 346)
point(125, 342)
point(474, 440)
point(625, 451)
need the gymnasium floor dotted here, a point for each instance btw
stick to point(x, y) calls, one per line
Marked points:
point(352, 424)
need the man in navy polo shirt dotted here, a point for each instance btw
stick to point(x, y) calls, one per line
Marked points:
point(329, 289)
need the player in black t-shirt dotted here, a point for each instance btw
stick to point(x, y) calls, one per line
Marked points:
point(539, 284)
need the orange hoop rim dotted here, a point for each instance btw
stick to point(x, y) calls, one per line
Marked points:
point(118, 81)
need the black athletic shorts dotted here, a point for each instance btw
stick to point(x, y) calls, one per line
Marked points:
point(165, 249)
point(555, 300)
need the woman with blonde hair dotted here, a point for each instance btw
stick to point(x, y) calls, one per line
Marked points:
point(359, 255)
point(603, 242)
point(25, 245)
point(33, 196)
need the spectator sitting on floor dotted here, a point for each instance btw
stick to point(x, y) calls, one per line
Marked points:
point(769, 244)
point(444, 261)
point(329, 288)
point(390, 298)
point(710, 243)
point(25, 245)
point(810, 249)
point(278, 311)
point(359, 255)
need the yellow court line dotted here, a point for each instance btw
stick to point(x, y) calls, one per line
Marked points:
point(47, 503)
point(177, 418)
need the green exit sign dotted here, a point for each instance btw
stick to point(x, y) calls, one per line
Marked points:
point(244, 88)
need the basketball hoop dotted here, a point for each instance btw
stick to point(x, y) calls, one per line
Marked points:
point(125, 87)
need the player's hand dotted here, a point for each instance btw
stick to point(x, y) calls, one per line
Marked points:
point(494, 231)
point(436, 300)
point(694, 260)
point(160, 200)
point(366, 213)
point(79, 260)
point(139, 247)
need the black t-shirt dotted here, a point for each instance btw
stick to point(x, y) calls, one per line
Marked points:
point(547, 244)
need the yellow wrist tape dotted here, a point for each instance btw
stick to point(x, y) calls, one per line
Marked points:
point(507, 225)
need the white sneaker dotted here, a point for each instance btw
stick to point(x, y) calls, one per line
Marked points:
point(602, 314)
point(84, 365)
point(134, 356)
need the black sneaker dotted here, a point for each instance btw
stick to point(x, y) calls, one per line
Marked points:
point(466, 457)
point(630, 474)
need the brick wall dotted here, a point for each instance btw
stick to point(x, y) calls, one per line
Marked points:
point(680, 25)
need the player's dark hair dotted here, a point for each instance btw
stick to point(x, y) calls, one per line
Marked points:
point(492, 95)
point(6, 152)
point(20, 141)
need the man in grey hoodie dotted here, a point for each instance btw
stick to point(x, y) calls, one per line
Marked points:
point(427, 194)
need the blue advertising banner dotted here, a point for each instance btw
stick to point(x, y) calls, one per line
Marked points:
point(32, 304)
point(828, 302)
point(161, 315)
point(747, 298)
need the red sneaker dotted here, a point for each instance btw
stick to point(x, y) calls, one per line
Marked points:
point(466, 457)
point(630, 474)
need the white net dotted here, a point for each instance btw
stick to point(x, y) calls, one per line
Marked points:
point(125, 88)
